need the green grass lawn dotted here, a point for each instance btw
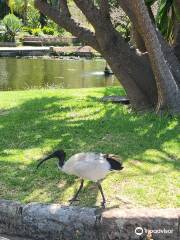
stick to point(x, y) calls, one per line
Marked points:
point(36, 122)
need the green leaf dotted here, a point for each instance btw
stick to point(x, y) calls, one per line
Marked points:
point(163, 20)
point(176, 11)
point(150, 2)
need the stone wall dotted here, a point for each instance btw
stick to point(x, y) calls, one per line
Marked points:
point(24, 51)
point(56, 222)
point(50, 41)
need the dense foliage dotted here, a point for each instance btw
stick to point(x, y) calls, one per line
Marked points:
point(167, 12)
point(31, 18)
point(12, 26)
point(23, 12)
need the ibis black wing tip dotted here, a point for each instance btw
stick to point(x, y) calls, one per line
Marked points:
point(115, 163)
point(118, 165)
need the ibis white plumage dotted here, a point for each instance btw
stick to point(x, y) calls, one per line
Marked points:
point(86, 165)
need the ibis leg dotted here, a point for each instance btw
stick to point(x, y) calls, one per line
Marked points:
point(102, 194)
point(77, 193)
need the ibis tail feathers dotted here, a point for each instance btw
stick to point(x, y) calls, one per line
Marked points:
point(114, 162)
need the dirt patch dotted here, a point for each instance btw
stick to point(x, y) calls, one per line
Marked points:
point(4, 112)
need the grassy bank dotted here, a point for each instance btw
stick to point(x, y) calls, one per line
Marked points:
point(35, 122)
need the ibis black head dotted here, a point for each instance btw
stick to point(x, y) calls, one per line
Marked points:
point(60, 154)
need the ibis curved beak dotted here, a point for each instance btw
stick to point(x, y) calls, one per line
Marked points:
point(43, 160)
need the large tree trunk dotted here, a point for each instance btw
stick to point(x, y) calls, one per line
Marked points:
point(168, 90)
point(137, 80)
point(150, 79)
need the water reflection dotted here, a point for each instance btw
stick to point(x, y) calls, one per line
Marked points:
point(18, 74)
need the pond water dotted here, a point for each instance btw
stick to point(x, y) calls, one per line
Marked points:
point(28, 73)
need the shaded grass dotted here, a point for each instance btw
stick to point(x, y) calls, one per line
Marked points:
point(35, 122)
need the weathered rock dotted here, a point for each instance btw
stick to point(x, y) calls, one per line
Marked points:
point(6, 237)
point(56, 222)
point(116, 99)
point(24, 51)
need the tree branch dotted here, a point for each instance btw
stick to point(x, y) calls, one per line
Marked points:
point(126, 9)
point(63, 18)
point(64, 10)
point(104, 8)
point(90, 11)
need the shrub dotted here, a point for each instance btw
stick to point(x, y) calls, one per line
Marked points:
point(61, 31)
point(57, 29)
point(12, 26)
point(1, 37)
point(36, 31)
point(33, 17)
point(2, 28)
point(48, 30)
point(27, 29)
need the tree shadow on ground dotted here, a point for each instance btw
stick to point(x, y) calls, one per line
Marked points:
point(44, 124)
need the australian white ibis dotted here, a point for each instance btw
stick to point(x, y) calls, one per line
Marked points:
point(86, 165)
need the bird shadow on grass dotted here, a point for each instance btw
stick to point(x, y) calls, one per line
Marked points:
point(43, 124)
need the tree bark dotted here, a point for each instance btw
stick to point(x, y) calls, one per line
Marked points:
point(137, 40)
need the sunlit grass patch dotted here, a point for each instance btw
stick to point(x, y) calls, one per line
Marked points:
point(36, 122)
